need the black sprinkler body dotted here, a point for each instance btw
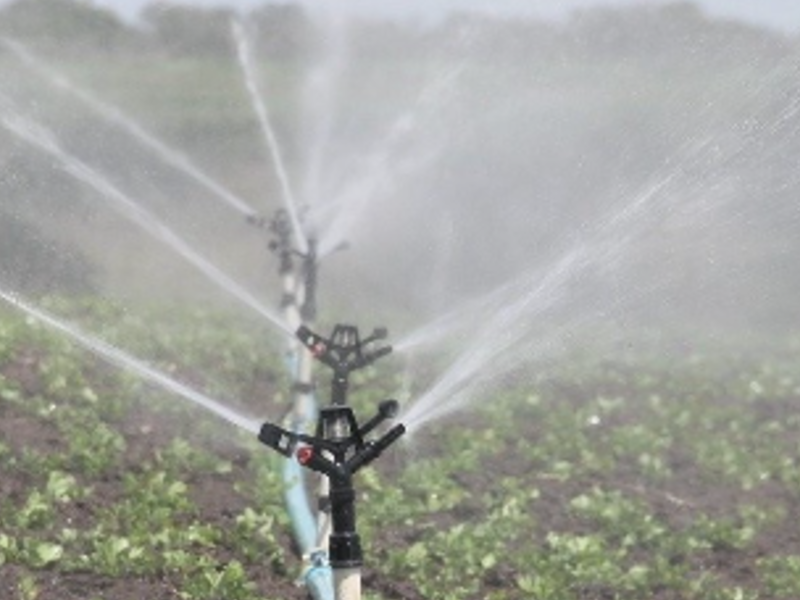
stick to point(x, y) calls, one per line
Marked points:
point(338, 450)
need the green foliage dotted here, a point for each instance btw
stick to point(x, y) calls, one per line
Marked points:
point(781, 576)
point(185, 30)
point(229, 582)
point(73, 21)
point(538, 496)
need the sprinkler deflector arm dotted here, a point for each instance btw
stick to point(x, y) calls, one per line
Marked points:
point(339, 457)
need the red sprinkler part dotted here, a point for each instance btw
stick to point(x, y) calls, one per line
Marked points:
point(304, 455)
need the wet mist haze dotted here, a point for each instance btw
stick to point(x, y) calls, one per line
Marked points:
point(633, 166)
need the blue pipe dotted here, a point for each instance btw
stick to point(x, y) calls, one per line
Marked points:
point(318, 577)
point(302, 519)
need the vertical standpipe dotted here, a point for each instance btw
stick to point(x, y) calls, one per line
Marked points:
point(339, 457)
point(298, 303)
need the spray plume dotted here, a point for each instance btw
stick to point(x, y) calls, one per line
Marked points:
point(114, 115)
point(117, 357)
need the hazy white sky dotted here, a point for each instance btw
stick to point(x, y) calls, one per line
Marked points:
point(783, 14)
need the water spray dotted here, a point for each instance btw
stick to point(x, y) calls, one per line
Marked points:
point(35, 134)
point(113, 114)
point(339, 448)
point(117, 357)
point(257, 98)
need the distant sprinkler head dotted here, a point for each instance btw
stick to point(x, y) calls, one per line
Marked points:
point(343, 351)
point(380, 333)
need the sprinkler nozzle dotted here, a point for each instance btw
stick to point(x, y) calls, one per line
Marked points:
point(373, 356)
point(308, 337)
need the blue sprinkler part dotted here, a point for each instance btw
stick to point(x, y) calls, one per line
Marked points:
point(318, 577)
point(297, 504)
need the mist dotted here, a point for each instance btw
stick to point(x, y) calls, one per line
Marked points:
point(495, 188)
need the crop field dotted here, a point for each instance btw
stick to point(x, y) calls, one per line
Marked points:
point(670, 474)
point(582, 237)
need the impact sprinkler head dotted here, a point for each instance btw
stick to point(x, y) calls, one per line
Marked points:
point(338, 450)
point(344, 351)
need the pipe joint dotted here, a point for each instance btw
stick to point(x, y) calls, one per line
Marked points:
point(345, 550)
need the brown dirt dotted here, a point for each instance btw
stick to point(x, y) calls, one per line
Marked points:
point(145, 431)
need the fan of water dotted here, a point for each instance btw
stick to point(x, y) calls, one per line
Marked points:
point(505, 195)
